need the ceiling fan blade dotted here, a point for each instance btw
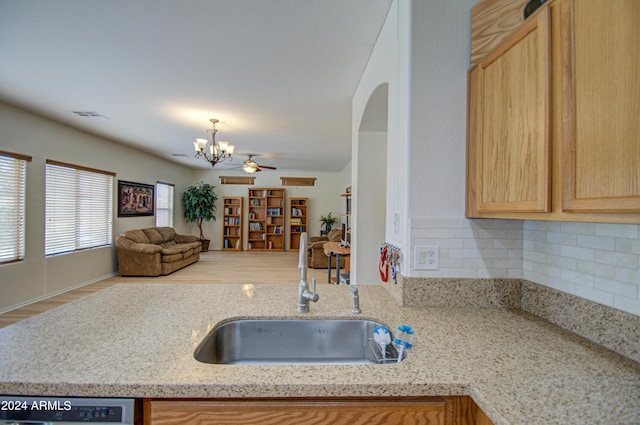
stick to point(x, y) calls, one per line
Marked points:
point(268, 167)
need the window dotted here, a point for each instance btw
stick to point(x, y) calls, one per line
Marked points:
point(13, 175)
point(164, 204)
point(78, 208)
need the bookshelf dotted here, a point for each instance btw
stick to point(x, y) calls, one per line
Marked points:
point(266, 219)
point(232, 223)
point(346, 216)
point(298, 209)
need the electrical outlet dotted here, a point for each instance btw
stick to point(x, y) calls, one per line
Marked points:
point(426, 257)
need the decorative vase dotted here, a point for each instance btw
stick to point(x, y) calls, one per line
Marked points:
point(532, 6)
point(205, 245)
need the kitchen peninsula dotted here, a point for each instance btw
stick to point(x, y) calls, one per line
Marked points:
point(138, 341)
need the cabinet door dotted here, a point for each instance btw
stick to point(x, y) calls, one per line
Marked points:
point(512, 122)
point(601, 144)
point(319, 412)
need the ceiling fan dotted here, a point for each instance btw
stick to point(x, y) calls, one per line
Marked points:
point(250, 166)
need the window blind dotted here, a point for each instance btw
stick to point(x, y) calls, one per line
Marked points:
point(13, 176)
point(78, 208)
point(164, 204)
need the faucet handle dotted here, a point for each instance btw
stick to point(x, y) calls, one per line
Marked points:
point(313, 285)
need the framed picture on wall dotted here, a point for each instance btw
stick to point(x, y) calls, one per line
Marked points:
point(135, 199)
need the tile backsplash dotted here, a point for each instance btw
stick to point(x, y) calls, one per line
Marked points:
point(594, 261)
point(471, 248)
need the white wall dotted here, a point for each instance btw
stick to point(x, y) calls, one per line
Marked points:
point(29, 134)
point(371, 199)
point(388, 64)
point(441, 34)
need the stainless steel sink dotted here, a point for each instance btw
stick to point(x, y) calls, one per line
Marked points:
point(290, 341)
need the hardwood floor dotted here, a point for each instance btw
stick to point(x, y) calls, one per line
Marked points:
point(213, 267)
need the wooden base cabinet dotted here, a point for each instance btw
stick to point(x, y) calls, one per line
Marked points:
point(553, 128)
point(450, 410)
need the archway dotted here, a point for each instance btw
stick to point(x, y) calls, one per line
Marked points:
point(370, 195)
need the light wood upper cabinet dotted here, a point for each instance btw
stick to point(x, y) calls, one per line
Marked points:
point(602, 145)
point(512, 141)
point(561, 91)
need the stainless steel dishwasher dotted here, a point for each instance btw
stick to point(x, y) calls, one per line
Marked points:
point(18, 410)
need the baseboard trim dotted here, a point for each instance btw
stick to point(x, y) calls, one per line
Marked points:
point(55, 293)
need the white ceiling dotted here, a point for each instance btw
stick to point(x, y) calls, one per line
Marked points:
point(278, 74)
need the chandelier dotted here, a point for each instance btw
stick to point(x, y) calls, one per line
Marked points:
point(212, 151)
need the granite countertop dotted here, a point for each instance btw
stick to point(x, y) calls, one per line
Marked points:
point(138, 340)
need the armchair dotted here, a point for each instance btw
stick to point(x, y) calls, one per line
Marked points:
point(315, 252)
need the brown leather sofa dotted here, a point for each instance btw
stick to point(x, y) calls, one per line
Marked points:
point(155, 251)
point(317, 259)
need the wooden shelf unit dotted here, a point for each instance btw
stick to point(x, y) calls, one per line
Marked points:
point(232, 223)
point(266, 219)
point(347, 214)
point(298, 221)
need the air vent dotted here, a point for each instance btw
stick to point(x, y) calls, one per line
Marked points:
point(90, 114)
point(178, 155)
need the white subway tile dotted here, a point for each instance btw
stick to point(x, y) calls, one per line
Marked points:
point(476, 263)
point(628, 275)
point(508, 224)
point(430, 233)
point(561, 285)
point(535, 256)
point(514, 253)
point(463, 253)
point(596, 242)
point(606, 271)
point(619, 259)
point(630, 246)
point(514, 273)
point(625, 304)
point(577, 252)
point(461, 233)
point(547, 270)
point(535, 235)
point(478, 243)
point(541, 225)
point(507, 243)
point(507, 263)
point(562, 262)
point(578, 278)
point(492, 253)
point(579, 228)
point(595, 295)
point(562, 238)
point(620, 289)
point(628, 231)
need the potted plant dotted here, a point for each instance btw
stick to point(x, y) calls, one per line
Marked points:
point(200, 205)
point(328, 220)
